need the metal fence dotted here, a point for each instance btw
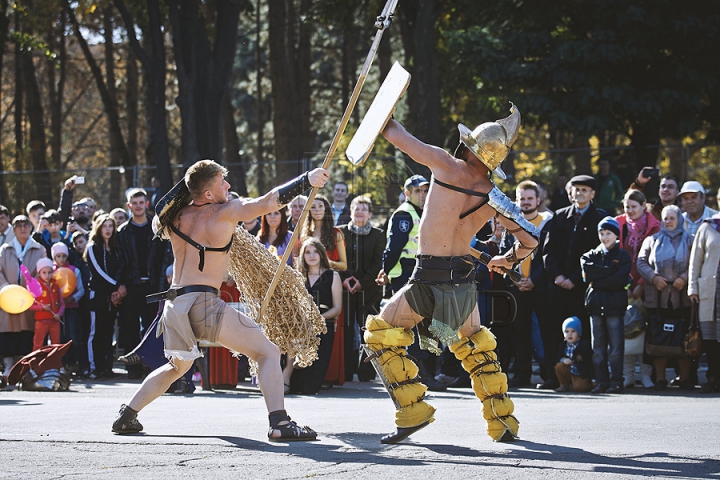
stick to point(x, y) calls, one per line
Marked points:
point(381, 176)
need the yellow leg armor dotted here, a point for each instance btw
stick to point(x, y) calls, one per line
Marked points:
point(488, 382)
point(398, 373)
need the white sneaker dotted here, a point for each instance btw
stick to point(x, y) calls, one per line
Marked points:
point(646, 382)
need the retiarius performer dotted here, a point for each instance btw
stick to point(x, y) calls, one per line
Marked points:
point(440, 297)
point(199, 220)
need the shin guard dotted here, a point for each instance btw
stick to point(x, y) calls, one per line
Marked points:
point(385, 347)
point(488, 382)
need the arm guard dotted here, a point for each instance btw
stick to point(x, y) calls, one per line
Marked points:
point(293, 188)
point(510, 210)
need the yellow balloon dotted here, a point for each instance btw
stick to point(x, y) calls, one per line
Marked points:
point(66, 280)
point(15, 299)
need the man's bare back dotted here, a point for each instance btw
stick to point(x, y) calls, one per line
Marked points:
point(201, 224)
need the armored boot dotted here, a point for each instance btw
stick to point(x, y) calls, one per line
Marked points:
point(385, 348)
point(489, 383)
point(126, 421)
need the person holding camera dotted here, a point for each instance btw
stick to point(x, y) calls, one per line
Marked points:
point(667, 192)
point(76, 215)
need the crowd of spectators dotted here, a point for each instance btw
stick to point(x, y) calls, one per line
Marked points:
point(601, 249)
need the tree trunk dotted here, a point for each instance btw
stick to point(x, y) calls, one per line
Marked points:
point(290, 75)
point(4, 28)
point(203, 73)
point(153, 62)
point(116, 159)
point(118, 149)
point(645, 141)
point(56, 42)
point(38, 144)
point(418, 20)
point(19, 100)
point(259, 109)
point(232, 151)
point(131, 106)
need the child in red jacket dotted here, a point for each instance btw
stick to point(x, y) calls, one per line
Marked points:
point(49, 307)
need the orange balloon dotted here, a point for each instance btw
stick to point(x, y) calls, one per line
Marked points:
point(15, 299)
point(66, 280)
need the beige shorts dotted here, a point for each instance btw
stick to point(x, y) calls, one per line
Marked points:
point(187, 319)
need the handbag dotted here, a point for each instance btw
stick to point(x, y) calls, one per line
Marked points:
point(664, 336)
point(692, 345)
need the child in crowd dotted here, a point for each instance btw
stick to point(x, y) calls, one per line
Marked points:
point(54, 232)
point(72, 327)
point(49, 307)
point(606, 270)
point(574, 368)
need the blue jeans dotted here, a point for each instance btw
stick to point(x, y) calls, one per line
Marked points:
point(608, 343)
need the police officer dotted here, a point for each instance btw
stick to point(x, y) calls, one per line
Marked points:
point(402, 235)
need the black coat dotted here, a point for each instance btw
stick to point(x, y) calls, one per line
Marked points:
point(581, 357)
point(364, 257)
point(565, 244)
point(608, 276)
point(127, 250)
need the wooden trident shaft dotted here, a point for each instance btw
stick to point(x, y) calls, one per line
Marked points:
point(382, 23)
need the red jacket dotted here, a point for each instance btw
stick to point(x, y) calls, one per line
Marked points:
point(50, 296)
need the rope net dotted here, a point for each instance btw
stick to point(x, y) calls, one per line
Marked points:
point(291, 321)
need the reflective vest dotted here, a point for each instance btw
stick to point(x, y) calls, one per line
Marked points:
point(411, 247)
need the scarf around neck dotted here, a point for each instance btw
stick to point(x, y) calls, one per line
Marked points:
point(671, 253)
point(636, 233)
point(20, 251)
point(359, 230)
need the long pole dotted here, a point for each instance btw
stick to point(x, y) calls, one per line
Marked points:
point(382, 23)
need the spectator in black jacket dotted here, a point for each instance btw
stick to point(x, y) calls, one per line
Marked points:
point(105, 295)
point(339, 207)
point(141, 257)
point(364, 246)
point(531, 292)
point(606, 269)
point(573, 232)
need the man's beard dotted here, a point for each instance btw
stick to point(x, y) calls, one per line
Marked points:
point(82, 219)
point(532, 210)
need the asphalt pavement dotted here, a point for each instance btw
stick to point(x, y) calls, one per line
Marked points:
point(223, 434)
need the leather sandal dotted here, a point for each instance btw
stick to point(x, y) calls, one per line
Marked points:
point(291, 432)
point(402, 433)
point(131, 358)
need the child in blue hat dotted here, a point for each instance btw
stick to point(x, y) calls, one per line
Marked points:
point(574, 368)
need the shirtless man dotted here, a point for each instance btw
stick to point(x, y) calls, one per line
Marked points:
point(199, 234)
point(440, 297)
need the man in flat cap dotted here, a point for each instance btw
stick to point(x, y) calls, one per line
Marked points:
point(573, 232)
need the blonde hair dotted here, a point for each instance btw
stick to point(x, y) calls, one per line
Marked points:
point(199, 176)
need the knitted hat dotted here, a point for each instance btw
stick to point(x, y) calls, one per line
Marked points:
point(609, 223)
point(42, 263)
point(59, 247)
point(574, 323)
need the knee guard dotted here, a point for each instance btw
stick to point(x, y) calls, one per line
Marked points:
point(488, 382)
point(399, 374)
